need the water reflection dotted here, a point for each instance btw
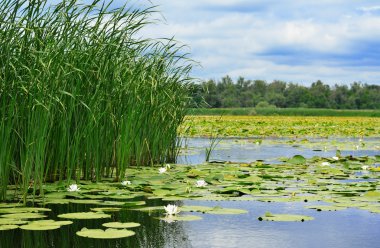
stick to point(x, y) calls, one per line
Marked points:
point(152, 233)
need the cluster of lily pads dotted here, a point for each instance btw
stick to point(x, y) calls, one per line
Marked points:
point(280, 126)
point(330, 184)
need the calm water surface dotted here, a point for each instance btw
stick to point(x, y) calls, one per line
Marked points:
point(340, 229)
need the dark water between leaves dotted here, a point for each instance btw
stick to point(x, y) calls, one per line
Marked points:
point(338, 229)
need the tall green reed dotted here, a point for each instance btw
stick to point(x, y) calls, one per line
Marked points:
point(81, 95)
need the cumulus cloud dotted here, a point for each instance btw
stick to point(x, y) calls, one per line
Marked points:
point(294, 40)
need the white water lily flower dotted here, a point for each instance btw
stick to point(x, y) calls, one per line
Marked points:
point(201, 183)
point(73, 188)
point(171, 209)
point(167, 166)
point(365, 167)
point(162, 170)
point(335, 158)
point(125, 183)
point(325, 163)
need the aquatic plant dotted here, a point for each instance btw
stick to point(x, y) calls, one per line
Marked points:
point(200, 183)
point(81, 95)
point(171, 209)
point(73, 188)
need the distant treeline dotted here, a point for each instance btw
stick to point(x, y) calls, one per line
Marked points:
point(226, 93)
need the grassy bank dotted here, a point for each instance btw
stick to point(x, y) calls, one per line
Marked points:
point(80, 96)
point(284, 112)
point(281, 126)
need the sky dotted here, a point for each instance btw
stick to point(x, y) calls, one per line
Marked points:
point(301, 41)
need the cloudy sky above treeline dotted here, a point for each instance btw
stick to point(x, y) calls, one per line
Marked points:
point(336, 41)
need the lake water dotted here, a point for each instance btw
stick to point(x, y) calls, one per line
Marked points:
point(338, 229)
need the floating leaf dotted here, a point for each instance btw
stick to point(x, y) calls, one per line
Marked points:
point(32, 227)
point(285, 217)
point(84, 215)
point(8, 227)
point(24, 216)
point(219, 210)
point(106, 209)
point(9, 221)
point(109, 233)
point(22, 210)
point(297, 159)
point(121, 225)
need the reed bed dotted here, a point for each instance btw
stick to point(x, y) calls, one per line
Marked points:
point(81, 96)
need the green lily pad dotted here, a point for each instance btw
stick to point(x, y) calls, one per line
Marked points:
point(121, 225)
point(297, 159)
point(8, 227)
point(22, 210)
point(109, 233)
point(10, 221)
point(84, 215)
point(106, 209)
point(21, 216)
point(202, 209)
point(32, 227)
point(91, 201)
point(150, 209)
point(219, 210)
point(285, 217)
point(51, 222)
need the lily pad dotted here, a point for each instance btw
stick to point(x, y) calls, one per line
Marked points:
point(21, 216)
point(297, 159)
point(9, 221)
point(285, 217)
point(32, 227)
point(121, 225)
point(109, 233)
point(8, 227)
point(220, 210)
point(84, 215)
point(106, 209)
point(22, 210)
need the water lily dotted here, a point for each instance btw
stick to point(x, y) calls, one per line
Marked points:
point(335, 158)
point(162, 170)
point(73, 188)
point(125, 183)
point(171, 209)
point(365, 167)
point(200, 183)
point(325, 163)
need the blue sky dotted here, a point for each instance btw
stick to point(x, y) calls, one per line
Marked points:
point(336, 41)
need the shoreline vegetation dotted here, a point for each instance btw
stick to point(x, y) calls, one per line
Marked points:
point(270, 111)
point(82, 96)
